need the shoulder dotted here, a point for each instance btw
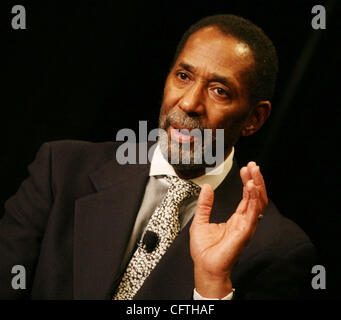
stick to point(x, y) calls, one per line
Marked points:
point(71, 161)
point(71, 150)
point(76, 154)
point(277, 262)
point(279, 237)
point(281, 228)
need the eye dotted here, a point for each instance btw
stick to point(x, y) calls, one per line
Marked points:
point(183, 76)
point(221, 92)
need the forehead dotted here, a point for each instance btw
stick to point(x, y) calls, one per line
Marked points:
point(211, 51)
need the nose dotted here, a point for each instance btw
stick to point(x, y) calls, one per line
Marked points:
point(192, 101)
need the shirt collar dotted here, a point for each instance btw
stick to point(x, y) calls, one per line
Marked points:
point(160, 166)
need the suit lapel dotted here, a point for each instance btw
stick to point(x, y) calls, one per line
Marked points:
point(173, 277)
point(103, 225)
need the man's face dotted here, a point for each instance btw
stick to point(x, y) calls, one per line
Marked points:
point(205, 89)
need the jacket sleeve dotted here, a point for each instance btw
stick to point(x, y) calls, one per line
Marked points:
point(22, 227)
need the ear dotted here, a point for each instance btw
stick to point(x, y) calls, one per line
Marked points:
point(257, 118)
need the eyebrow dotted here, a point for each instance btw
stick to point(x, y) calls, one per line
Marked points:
point(213, 76)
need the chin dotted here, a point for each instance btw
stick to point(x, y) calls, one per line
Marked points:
point(182, 159)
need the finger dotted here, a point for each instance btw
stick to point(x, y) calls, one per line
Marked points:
point(245, 175)
point(204, 205)
point(243, 203)
point(253, 208)
point(256, 175)
point(258, 179)
point(254, 172)
point(250, 165)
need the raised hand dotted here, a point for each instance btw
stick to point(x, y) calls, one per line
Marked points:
point(215, 248)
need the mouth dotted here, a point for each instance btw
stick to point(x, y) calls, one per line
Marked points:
point(180, 133)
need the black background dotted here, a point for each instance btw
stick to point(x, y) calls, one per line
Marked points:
point(84, 70)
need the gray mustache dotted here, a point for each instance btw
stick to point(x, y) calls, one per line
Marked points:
point(183, 121)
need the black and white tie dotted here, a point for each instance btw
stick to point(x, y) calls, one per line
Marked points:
point(162, 229)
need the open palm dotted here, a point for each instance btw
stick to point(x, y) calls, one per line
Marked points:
point(216, 247)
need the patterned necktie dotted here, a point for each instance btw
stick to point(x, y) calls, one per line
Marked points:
point(165, 223)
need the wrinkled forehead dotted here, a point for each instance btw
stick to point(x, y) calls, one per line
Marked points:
point(210, 47)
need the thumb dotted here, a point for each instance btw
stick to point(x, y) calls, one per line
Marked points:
point(204, 206)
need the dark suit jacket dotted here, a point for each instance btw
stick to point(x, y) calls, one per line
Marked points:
point(70, 221)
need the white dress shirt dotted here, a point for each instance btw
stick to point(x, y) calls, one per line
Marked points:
point(155, 191)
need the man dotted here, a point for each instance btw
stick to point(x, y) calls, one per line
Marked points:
point(82, 225)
